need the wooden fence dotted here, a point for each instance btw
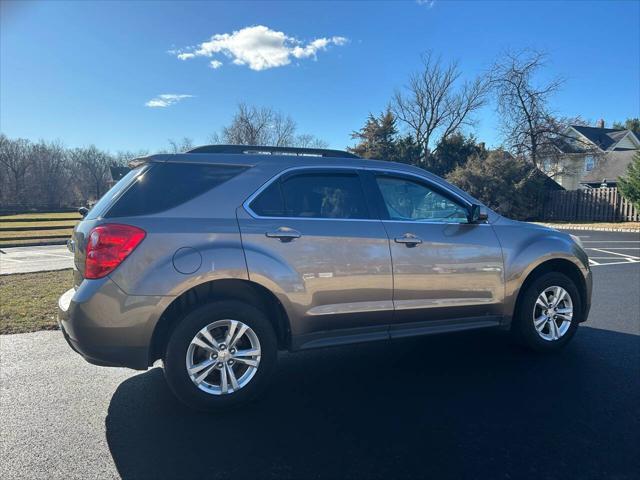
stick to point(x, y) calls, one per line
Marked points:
point(597, 204)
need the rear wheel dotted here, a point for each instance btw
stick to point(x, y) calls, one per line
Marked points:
point(220, 355)
point(548, 313)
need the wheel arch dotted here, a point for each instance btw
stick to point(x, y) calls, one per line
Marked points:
point(559, 265)
point(245, 291)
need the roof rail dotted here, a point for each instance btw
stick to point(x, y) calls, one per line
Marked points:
point(269, 150)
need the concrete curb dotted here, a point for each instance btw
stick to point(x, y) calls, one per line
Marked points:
point(586, 227)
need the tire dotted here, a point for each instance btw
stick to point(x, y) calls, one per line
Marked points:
point(209, 394)
point(544, 339)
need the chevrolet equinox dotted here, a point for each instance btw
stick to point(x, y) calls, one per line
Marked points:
point(214, 260)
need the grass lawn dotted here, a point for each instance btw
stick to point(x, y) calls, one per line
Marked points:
point(60, 232)
point(22, 216)
point(29, 301)
point(65, 221)
point(57, 223)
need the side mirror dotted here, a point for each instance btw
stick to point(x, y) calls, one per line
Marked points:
point(478, 214)
point(83, 211)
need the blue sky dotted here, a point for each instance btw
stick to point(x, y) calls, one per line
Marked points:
point(83, 72)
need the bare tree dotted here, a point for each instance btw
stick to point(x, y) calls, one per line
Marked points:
point(253, 125)
point(123, 157)
point(529, 127)
point(49, 182)
point(94, 164)
point(433, 105)
point(283, 130)
point(180, 146)
point(15, 156)
point(307, 140)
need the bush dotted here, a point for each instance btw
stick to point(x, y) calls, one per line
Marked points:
point(630, 183)
point(508, 185)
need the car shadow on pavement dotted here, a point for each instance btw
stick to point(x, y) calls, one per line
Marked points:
point(455, 406)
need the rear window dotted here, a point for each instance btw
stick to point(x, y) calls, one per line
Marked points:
point(167, 185)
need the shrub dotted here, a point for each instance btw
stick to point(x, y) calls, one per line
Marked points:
point(508, 185)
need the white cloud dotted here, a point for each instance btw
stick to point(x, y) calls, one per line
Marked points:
point(258, 47)
point(428, 3)
point(165, 100)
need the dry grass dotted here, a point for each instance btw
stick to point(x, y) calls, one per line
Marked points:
point(57, 223)
point(37, 234)
point(29, 301)
point(21, 216)
point(66, 221)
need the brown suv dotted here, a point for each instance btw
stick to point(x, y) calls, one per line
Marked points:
point(214, 260)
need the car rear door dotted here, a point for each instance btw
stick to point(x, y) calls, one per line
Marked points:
point(310, 237)
point(445, 268)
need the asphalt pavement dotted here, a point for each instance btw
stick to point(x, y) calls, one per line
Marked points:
point(467, 405)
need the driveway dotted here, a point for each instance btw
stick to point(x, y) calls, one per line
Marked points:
point(465, 405)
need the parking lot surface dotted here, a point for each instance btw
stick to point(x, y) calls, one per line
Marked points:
point(466, 405)
point(34, 259)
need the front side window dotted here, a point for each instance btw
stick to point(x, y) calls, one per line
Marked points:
point(314, 195)
point(413, 201)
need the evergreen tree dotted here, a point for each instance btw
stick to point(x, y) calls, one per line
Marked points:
point(630, 184)
point(632, 124)
point(379, 139)
point(504, 183)
point(452, 152)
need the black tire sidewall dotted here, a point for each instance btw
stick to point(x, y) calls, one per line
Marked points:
point(174, 360)
point(523, 326)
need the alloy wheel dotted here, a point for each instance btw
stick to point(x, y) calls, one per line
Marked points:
point(223, 357)
point(552, 313)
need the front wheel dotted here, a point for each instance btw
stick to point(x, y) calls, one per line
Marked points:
point(548, 313)
point(220, 355)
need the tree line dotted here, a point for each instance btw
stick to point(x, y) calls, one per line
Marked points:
point(426, 123)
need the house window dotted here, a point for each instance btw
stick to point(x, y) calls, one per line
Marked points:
point(589, 163)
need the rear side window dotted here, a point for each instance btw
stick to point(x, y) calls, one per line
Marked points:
point(314, 195)
point(270, 202)
point(113, 192)
point(167, 185)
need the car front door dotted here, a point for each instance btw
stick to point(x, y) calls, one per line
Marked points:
point(445, 268)
point(310, 237)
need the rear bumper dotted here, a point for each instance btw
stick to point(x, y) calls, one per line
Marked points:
point(106, 326)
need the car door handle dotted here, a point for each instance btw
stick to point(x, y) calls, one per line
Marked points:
point(285, 234)
point(409, 239)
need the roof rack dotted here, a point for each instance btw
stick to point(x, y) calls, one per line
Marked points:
point(264, 150)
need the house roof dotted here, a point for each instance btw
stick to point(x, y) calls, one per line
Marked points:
point(548, 182)
point(611, 166)
point(604, 138)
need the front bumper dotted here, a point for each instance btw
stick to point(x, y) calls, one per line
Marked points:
point(106, 326)
point(588, 292)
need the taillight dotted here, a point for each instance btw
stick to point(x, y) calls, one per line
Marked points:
point(108, 246)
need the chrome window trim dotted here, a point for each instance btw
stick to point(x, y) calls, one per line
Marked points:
point(268, 183)
point(450, 192)
point(273, 179)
